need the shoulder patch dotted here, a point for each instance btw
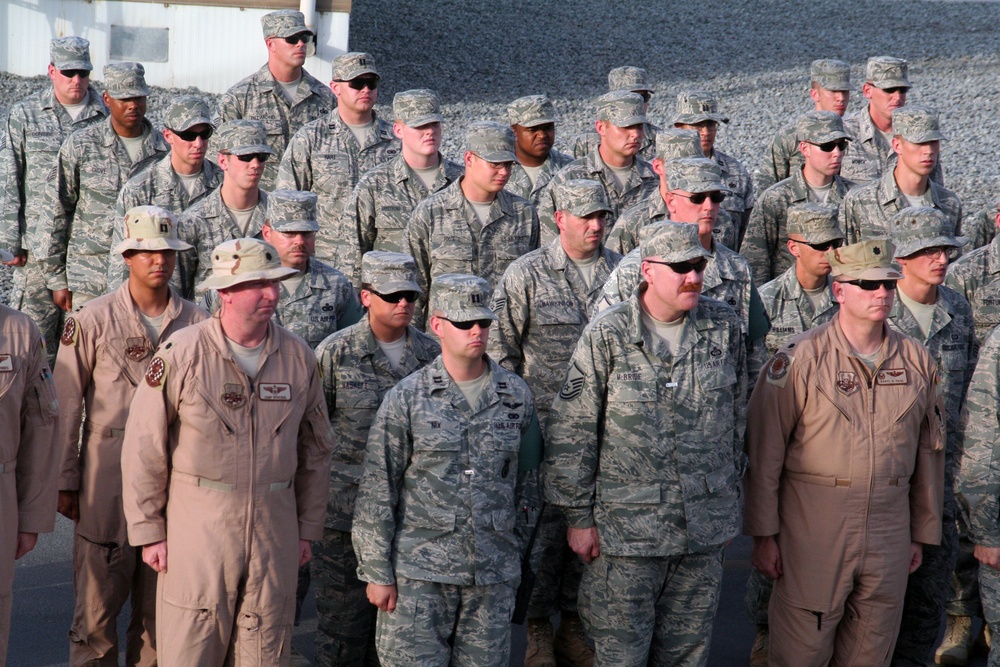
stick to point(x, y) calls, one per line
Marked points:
point(777, 370)
point(573, 386)
point(156, 374)
point(69, 332)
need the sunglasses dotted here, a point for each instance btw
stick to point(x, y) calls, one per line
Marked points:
point(645, 95)
point(699, 198)
point(895, 89)
point(468, 324)
point(824, 246)
point(872, 285)
point(73, 73)
point(362, 82)
point(396, 297)
point(936, 251)
point(191, 135)
point(828, 147)
point(683, 267)
point(250, 157)
point(303, 37)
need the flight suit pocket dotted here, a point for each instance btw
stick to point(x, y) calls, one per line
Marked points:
point(194, 624)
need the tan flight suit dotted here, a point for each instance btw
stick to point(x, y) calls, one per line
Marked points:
point(232, 473)
point(103, 354)
point(28, 455)
point(847, 469)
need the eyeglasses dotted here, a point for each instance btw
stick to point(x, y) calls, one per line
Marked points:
point(824, 246)
point(871, 285)
point(699, 198)
point(895, 89)
point(396, 297)
point(683, 268)
point(498, 166)
point(250, 157)
point(73, 73)
point(828, 147)
point(949, 252)
point(303, 37)
point(191, 135)
point(362, 82)
point(468, 324)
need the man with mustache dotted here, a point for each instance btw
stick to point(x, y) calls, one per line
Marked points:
point(533, 120)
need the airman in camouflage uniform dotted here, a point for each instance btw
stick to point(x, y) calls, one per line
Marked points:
point(270, 95)
point(627, 178)
point(645, 457)
point(447, 234)
point(380, 205)
point(176, 182)
point(448, 495)
point(867, 210)
point(817, 180)
point(983, 228)
point(74, 234)
point(534, 123)
point(633, 80)
point(35, 129)
point(236, 209)
point(941, 319)
point(830, 90)
point(543, 303)
point(357, 373)
point(329, 155)
point(699, 111)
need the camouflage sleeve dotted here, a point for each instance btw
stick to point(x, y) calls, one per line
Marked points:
point(583, 143)
point(760, 242)
point(417, 237)
point(117, 270)
point(979, 474)
point(849, 220)
point(229, 109)
point(12, 168)
point(739, 346)
point(75, 361)
point(511, 308)
point(328, 364)
point(980, 229)
point(774, 166)
point(312, 477)
point(527, 492)
point(186, 272)
point(350, 311)
point(295, 171)
point(927, 481)
point(616, 288)
point(536, 229)
point(546, 211)
point(54, 227)
point(357, 231)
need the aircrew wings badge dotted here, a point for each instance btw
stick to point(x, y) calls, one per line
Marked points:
point(156, 373)
point(777, 370)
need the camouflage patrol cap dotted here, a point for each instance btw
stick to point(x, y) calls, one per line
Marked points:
point(70, 53)
point(284, 23)
point(125, 80)
point(240, 261)
point(418, 107)
point(458, 297)
point(150, 228)
point(672, 242)
point(697, 106)
point(531, 111)
point(242, 137)
point(622, 108)
point(491, 141)
point(867, 260)
point(672, 143)
point(186, 111)
point(581, 197)
point(917, 124)
point(694, 174)
point(917, 227)
point(820, 127)
point(389, 272)
point(292, 211)
point(886, 72)
point(633, 79)
point(814, 222)
point(353, 64)
point(830, 74)
point(6, 256)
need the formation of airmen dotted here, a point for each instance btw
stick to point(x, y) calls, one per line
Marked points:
point(292, 342)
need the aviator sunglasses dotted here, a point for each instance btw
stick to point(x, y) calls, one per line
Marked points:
point(871, 285)
point(396, 297)
point(683, 267)
point(699, 198)
point(830, 145)
point(303, 37)
point(191, 135)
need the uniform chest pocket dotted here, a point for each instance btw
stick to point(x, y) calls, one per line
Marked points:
point(561, 311)
point(632, 387)
point(437, 435)
point(453, 255)
point(273, 127)
point(333, 173)
point(362, 398)
point(716, 375)
point(511, 246)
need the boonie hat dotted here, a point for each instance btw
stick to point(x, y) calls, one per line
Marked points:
point(672, 242)
point(292, 211)
point(917, 124)
point(418, 107)
point(581, 197)
point(814, 222)
point(491, 141)
point(697, 106)
point(867, 260)
point(672, 143)
point(622, 108)
point(694, 174)
point(887, 72)
point(830, 74)
point(242, 137)
point(283, 23)
point(353, 64)
point(125, 80)
point(458, 297)
point(70, 53)
point(150, 228)
point(531, 111)
point(240, 261)
point(917, 227)
point(633, 79)
point(820, 127)
point(389, 272)
point(186, 111)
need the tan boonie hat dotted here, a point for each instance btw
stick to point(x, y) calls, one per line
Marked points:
point(389, 272)
point(918, 227)
point(418, 107)
point(458, 297)
point(150, 228)
point(581, 197)
point(672, 143)
point(694, 174)
point(672, 242)
point(917, 124)
point(633, 79)
point(867, 260)
point(283, 23)
point(814, 222)
point(886, 72)
point(240, 261)
point(531, 111)
point(186, 111)
point(491, 141)
point(125, 80)
point(820, 127)
point(830, 74)
point(242, 137)
point(70, 53)
point(292, 211)
point(697, 106)
point(353, 64)
point(622, 108)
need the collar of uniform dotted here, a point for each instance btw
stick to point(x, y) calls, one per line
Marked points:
point(218, 338)
point(657, 208)
point(636, 329)
point(791, 289)
point(888, 190)
point(800, 189)
point(889, 348)
point(992, 255)
point(866, 128)
point(452, 196)
point(170, 313)
point(441, 380)
point(216, 208)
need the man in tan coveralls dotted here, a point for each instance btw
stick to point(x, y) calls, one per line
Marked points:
point(846, 475)
point(103, 354)
point(225, 469)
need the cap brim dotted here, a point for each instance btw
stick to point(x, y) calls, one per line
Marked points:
point(128, 93)
point(393, 286)
point(707, 186)
point(224, 282)
point(692, 252)
point(74, 64)
point(827, 138)
point(834, 86)
point(467, 314)
point(295, 226)
point(587, 209)
point(907, 249)
point(694, 119)
point(870, 274)
point(288, 33)
point(200, 120)
point(424, 120)
point(252, 148)
point(630, 121)
point(151, 245)
point(822, 237)
point(892, 83)
point(924, 138)
point(535, 122)
point(497, 156)
point(358, 72)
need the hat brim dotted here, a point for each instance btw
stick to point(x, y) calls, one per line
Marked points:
point(151, 245)
point(224, 282)
point(74, 64)
point(247, 150)
point(199, 120)
point(934, 135)
point(354, 74)
point(587, 209)
point(692, 252)
point(694, 119)
point(827, 138)
point(706, 186)
point(906, 249)
point(834, 86)
point(820, 237)
point(892, 83)
point(869, 274)
point(497, 156)
point(535, 122)
point(128, 93)
point(420, 121)
point(393, 286)
point(630, 121)
point(294, 226)
point(466, 314)
point(288, 32)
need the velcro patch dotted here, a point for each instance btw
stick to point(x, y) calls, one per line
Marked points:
point(777, 370)
point(275, 392)
point(6, 363)
point(69, 333)
point(573, 386)
point(156, 374)
point(891, 376)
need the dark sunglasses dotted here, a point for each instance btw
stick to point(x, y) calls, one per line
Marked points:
point(895, 89)
point(645, 95)
point(303, 37)
point(699, 198)
point(824, 246)
point(396, 297)
point(191, 135)
point(830, 145)
point(249, 157)
point(468, 324)
point(362, 82)
point(683, 267)
point(872, 285)
point(73, 73)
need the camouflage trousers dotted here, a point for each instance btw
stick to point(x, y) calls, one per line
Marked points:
point(989, 591)
point(651, 611)
point(447, 624)
point(757, 597)
point(345, 632)
point(965, 579)
point(557, 578)
point(29, 295)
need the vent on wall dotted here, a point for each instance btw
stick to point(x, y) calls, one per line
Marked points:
point(151, 45)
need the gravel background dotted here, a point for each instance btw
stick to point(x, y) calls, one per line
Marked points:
point(480, 54)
